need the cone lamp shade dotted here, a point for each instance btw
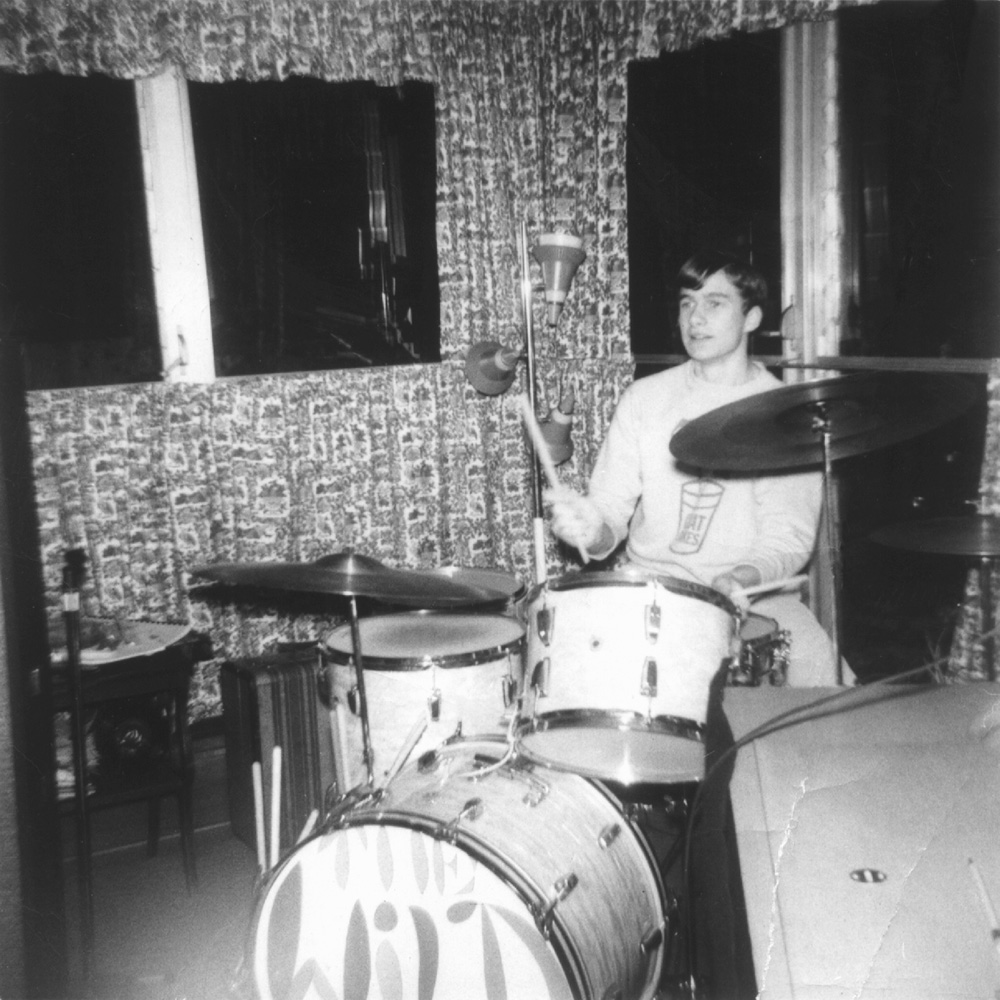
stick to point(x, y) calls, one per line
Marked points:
point(560, 254)
point(556, 429)
point(491, 367)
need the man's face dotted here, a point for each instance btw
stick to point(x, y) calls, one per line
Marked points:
point(713, 324)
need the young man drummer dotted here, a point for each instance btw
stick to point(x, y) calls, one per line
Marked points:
point(728, 532)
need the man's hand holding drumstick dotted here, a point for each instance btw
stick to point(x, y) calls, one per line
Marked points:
point(575, 518)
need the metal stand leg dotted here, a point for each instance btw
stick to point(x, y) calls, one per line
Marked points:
point(72, 581)
point(359, 669)
point(822, 425)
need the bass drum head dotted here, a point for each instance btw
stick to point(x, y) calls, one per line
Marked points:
point(435, 890)
point(383, 911)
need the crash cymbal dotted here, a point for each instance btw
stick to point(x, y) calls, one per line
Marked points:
point(348, 575)
point(487, 579)
point(971, 535)
point(495, 587)
point(777, 429)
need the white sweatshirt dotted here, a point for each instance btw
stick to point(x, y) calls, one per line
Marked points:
point(680, 524)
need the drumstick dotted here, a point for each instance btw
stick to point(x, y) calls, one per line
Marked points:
point(275, 804)
point(538, 440)
point(762, 588)
point(258, 810)
point(544, 456)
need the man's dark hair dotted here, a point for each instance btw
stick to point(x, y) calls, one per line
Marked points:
point(748, 280)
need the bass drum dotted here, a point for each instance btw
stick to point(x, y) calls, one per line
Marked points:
point(471, 875)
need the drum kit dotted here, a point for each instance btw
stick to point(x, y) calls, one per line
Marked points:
point(486, 854)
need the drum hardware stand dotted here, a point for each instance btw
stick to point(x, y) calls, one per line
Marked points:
point(359, 670)
point(822, 424)
point(72, 582)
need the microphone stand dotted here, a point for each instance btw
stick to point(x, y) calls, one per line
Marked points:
point(73, 574)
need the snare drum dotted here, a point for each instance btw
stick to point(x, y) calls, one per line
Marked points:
point(617, 673)
point(764, 651)
point(468, 875)
point(460, 671)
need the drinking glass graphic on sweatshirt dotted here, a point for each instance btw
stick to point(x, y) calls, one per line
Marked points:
point(699, 500)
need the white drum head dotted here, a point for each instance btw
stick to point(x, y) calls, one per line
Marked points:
point(757, 627)
point(597, 747)
point(386, 911)
point(418, 639)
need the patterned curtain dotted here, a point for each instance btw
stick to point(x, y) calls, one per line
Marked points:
point(408, 465)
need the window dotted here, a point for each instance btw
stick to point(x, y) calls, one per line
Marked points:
point(317, 212)
point(318, 207)
point(703, 170)
point(921, 104)
point(76, 287)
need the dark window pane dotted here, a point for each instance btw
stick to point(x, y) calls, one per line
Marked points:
point(318, 205)
point(76, 283)
point(703, 171)
point(921, 124)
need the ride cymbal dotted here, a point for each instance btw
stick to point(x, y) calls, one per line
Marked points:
point(782, 428)
point(348, 575)
point(970, 535)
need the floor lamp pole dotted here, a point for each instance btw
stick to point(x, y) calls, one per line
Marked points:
point(538, 513)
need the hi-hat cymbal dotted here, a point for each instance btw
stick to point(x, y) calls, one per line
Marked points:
point(349, 575)
point(971, 535)
point(778, 430)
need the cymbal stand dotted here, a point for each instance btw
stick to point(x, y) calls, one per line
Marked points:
point(359, 669)
point(822, 425)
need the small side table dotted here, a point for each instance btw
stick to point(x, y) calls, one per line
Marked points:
point(165, 673)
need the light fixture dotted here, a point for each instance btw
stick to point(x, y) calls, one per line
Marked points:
point(556, 428)
point(560, 254)
point(491, 367)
